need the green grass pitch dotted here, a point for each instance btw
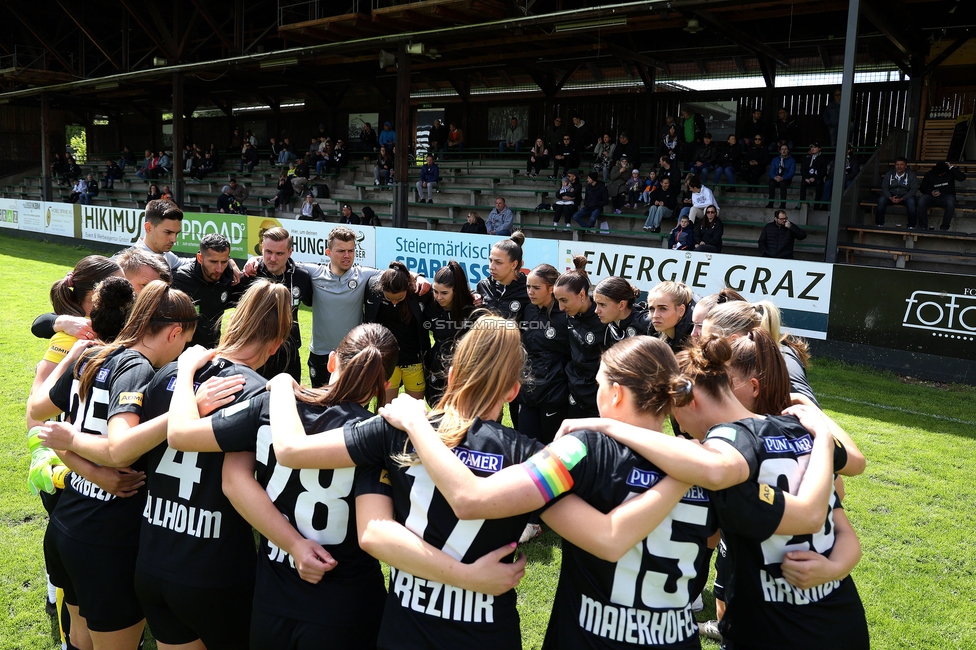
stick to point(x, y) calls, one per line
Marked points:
point(914, 508)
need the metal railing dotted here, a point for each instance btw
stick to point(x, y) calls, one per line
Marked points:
point(290, 12)
point(24, 57)
point(851, 212)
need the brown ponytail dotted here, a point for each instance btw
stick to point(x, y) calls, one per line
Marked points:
point(645, 366)
point(452, 276)
point(577, 280)
point(68, 294)
point(702, 367)
point(366, 358)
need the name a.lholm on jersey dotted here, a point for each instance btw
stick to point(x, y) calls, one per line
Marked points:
point(179, 518)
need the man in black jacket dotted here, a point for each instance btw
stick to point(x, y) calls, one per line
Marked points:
point(582, 135)
point(208, 280)
point(626, 149)
point(277, 266)
point(776, 239)
point(938, 189)
point(565, 155)
point(555, 133)
point(755, 160)
point(814, 171)
point(596, 197)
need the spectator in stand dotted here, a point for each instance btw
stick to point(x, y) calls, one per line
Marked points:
point(313, 148)
point(776, 239)
point(670, 144)
point(668, 169)
point(566, 200)
point(284, 193)
point(144, 172)
point(187, 158)
point(617, 187)
point(235, 141)
point(663, 201)
point(455, 138)
point(368, 218)
point(938, 189)
point(205, 167)
point(704, 157)
point(682, 237)
point(555, 133)
point(250, 139)
point(166, 194)
point(784, 131)
point(347, 216)
point(669, 121)
point(708, 232)
point(635, 189)
point(215, 155)
point(81, 185)
point(240, 192)
point(899, 186)
point(163, 165)
point(112, 173)
point(727, 160)
point(430, 176)
point(565, 155)
point(755, 160)
point(813, 173)
point(582, 135)
point(387, 136)
point(127, 159)
point(753, 125)
point(649, 185)
point(538, 158)
point(285, 154)
point(500, 219)
point(339, 156)
point(851, 169)
point(226, 204)
point(626, 149)
point(514, 134)
point(593, 202)
point(275, 150)
point(383, 167)
point(693, 130)
point(249, 158)
point(367, 138)
point(153, 194)
point(323, 160)
point(311, 211)
point(299, 176)
point(603, 152)
point(475, 225)
point(781, 171)
point(701, 198)
point(685, 199)
point(831, 116)
point(57, 167)
point(438, 137)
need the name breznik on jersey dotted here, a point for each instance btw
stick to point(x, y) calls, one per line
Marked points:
point(440, 600)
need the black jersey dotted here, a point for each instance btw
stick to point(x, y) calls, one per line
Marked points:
point(86, 512)
point(446, 333)
point(637, 324)
point(408, 321)
point(508, 301)
point(191, 533)
point(764, 610)
point(299, 283)
point(546, 339)
point(210, 299)
point(645, 598)
point(424, 613)
point(586, 337)
point(320, 504)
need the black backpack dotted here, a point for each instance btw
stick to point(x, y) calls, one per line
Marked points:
point(321, 191)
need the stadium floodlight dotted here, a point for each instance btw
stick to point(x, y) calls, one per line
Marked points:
point(591, 24)
point(278, 63)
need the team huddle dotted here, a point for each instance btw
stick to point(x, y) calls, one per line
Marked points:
point(158, 459)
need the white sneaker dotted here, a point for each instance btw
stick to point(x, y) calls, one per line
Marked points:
point(531, 532)
point(376, 182)
point(709, 630)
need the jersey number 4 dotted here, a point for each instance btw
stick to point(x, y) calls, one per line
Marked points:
point(185, 470)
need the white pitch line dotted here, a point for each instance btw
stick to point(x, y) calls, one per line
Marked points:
point(900, 409)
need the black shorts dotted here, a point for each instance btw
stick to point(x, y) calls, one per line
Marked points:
point(318, 369)
point(177, 614)
point(99, 580)
point(273, 632)
point(718, 588)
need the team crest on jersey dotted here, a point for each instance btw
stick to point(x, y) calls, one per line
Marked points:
point(130, 398)
point(766, 493)
point(515, 305)
point(590, 338)
point(223, 296)
point(551, 333)
point(102, 375)
point(631, 331)
point(296, 291)
point(642, 478)
point(352, 284)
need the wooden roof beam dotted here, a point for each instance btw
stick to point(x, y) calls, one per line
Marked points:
point(165, 49)
point(87, 32)
point(902, 35)
point(941, 57)
point(16, 14)
point(217, 29)
point(742, 38)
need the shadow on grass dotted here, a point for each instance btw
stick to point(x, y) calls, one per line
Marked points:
point(861, 391)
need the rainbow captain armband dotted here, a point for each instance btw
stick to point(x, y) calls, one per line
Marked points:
point(550, 468)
